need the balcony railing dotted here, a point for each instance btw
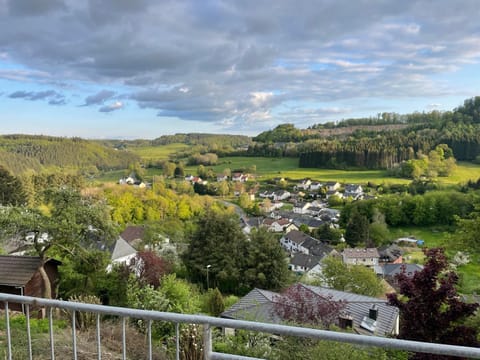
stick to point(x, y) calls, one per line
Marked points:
point(208, 324)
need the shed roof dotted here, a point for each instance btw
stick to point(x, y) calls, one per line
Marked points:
point(18, 270)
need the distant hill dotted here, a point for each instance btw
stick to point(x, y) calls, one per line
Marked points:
point(19, 153)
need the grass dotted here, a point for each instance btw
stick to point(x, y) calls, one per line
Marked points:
point(148, 153)
point(111, 338)
point(441, 237)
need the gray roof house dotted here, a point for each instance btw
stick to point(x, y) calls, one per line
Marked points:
point(366, 315)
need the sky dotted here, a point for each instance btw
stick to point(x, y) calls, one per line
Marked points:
point(145, 68)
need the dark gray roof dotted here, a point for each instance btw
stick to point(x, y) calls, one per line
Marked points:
point(18, 270)
point(358, 307)
point(304, 260)
point(258, 305)
point(394, 269)
point(390, 253)
point(297, 237)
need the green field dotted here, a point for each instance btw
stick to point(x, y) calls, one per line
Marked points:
point(267, 168)
point(148, 153)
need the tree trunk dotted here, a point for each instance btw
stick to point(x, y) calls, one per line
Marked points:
point(47, 285)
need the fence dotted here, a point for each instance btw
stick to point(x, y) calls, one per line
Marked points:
point(208, 324)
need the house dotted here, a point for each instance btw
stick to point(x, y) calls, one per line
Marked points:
point(239, 177)
point(133, 235)
point(390, 254)
point(304, 184)
point(331, 193)
point(313, 210)
point(310, 222)
point(267, 194)
point(332, 186)
point(354, 191)
point(124, 250)
point(298, 242)
point(389, 272)
point(123, 253)
point(361, 256)
point(301, 263)
point(301, 207)
point(363, 314)
point(278, 225)
point(221, 177)
point(20, 275)
point(315, 186)
point(281, 195)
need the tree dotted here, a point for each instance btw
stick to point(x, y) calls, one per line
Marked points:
point(11, 189)
point(356, 231)
point(266, 267)
point(150, 268)
point(169, 169)
point(66, 227)
point(352, 278)
point(218, 241)
point(302, 306)
point(430, 308)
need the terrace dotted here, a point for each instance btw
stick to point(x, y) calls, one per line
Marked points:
point(208, 324)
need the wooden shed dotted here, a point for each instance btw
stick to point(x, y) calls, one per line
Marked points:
point(20, 275)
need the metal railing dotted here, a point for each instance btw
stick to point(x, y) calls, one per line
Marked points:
point(208, 324)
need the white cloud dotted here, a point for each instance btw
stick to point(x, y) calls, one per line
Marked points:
point(117, 105)
point(234, 62)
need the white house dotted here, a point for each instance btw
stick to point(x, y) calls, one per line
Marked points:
point(304, 184)
point(301, 207)
point(332, 186)
point(354, 191)
point(361, 256)
point(315, 186)
point(281, 195)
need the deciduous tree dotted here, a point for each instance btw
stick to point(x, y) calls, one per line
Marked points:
point(430, 308)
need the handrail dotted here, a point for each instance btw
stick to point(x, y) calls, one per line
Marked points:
point(210, 322)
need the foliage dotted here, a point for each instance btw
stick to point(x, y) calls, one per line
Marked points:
point(266, 267)
point(246, 343)
point(219, 242)
point(85, 320)
point(430, 308)
point(11, 189)
point(301, 305)
point(356, 231)
point(307, 349)
point(237, 264)
point(23, 152)
point(150, 268)
point(65, 228)
point(357, 279)
point(213, 302)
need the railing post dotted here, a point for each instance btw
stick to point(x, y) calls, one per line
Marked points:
point(9, 334)
point(207, 342)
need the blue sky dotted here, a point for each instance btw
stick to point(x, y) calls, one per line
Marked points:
point(145, 68)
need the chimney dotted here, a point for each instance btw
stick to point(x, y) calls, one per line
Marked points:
point(373, 312)
point(345, 321)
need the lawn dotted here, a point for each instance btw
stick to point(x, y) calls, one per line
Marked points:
point(438, 237)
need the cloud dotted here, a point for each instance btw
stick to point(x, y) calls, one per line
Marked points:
point(117, 105)
point(240, 64)
point(52, 96)
point(99, 98)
